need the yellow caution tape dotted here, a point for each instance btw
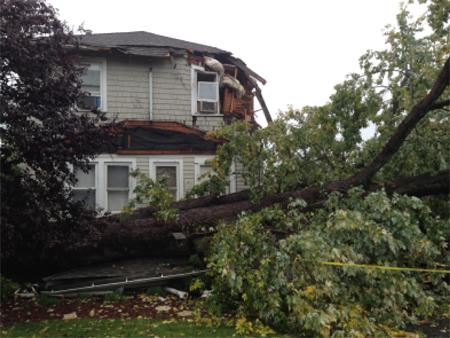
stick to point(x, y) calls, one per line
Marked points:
point(383, 267)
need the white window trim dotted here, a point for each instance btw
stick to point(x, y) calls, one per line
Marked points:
point(177, 162)
point(108, 164)
point(101, 63)
point(96, 182)
point(200, 160)
point(194, 70)
point(101, 193)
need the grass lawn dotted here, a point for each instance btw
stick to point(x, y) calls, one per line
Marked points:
point(115, 328)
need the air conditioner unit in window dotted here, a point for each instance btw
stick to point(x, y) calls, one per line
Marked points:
point(207, 107)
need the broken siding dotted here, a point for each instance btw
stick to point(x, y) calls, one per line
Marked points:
point(128, 88)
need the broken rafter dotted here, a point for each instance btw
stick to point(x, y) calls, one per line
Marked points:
point(262, 103)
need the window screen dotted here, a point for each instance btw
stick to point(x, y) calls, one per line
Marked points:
point(207, 91)
point(170, 174)
point(91, 79)
point(118, 186)
point(84, 189)
point(118, 176)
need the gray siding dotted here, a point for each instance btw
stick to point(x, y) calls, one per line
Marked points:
point(188, 173)
point(240, 182)
point(172, 91)
point(209, 122)
point(142, 164)
point(128, 88)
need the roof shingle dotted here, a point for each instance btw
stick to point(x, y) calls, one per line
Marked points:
point(144, 39)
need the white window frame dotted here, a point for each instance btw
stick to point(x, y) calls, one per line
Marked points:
point(96, 182)
point(101, 179)
point(201, 160)
point(99, 64)
point(164, 161)
point(118, 163)
point(194, 71)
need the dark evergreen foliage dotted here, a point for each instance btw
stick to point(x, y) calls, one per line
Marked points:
point(41, 134)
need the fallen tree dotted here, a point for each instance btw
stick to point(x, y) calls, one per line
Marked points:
point(142, 234)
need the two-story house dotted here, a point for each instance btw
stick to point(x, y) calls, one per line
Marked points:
point(168, 93)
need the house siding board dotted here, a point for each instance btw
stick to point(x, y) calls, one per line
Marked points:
point(127, 88)
point(188, 173)
point(142, 164)
point(172, 90)
point(240, 182)
point(209, 123)
point(128, 91)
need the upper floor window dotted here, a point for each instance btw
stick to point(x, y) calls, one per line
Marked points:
point(206, 92)
point(94, 85)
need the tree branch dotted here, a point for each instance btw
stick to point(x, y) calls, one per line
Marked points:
point(440, 104)
point(404, 129)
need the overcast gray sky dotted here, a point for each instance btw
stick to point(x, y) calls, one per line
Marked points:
point(302, 48)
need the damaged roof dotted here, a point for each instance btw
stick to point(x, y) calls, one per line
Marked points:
point(164, 137)
point(144, 39)
point(147, 44)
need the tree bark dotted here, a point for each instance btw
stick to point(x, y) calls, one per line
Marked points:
point(147, 237)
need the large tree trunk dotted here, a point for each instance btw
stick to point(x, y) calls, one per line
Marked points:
point(134, 237)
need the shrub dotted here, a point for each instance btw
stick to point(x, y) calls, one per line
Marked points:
point(7, 287)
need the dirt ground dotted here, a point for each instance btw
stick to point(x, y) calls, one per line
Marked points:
point(39, 309)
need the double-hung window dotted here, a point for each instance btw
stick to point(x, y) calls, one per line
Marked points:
point(117, 185)
point(93, 85)
point(203, 166)
point(206, 92)
point(171, 171)
point(107, 186)
point(85, 187)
